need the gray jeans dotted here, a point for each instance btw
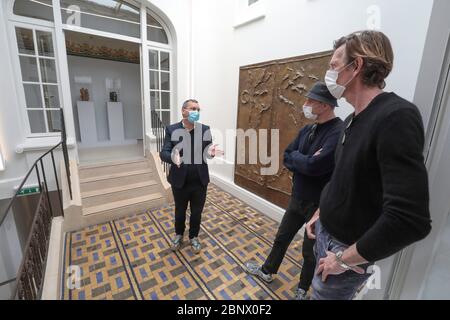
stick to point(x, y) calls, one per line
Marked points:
point(337, 287)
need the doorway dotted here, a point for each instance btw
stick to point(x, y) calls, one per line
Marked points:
point(105, 86)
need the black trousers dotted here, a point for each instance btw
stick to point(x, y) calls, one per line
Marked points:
point(297, 213)
point(194, 194)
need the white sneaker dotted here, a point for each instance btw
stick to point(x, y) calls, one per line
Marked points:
point(301, 294)
point(195, 245)
point(255, 269)
point(176, 242)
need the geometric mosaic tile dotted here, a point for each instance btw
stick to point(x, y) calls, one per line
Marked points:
point(130, 258)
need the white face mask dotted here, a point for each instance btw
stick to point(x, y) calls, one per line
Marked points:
point(335, 89)
point(307, 111)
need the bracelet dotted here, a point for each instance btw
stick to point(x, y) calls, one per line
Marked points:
point(339, 255)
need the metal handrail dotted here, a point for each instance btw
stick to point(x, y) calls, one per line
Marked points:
point(158, 129)
point(63, 144)
point(40, 227)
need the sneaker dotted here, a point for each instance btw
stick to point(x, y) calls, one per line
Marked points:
point(176, 242)
point(255, 269)
point(195, 245)
point(300, 294)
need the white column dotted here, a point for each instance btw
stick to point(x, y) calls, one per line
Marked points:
point(66, 97)
point(145, 78)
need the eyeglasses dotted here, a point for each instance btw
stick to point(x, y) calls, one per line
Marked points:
point(312, 133)
point(346, 128)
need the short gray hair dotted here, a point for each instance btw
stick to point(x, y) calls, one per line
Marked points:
point(185, 104)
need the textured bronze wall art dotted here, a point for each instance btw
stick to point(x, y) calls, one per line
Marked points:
point(271, 96)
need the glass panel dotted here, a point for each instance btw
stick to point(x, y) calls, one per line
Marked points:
point(37, 121)
point(25, 40)
point(48, 70)
point(165, 100)
point(38, 9)
point(45, 43)
point(51, 96)
point(28, 66)
point(154, 100)
point(165, 117)
point(165, 81)
point(33, 97)
point(54, 120)
point(165, 65)
point(154, 80)
point(157, 35)
point(438, 276)
point(97, 14)
point(155, 31)
point(153, 59)
point(151, 21)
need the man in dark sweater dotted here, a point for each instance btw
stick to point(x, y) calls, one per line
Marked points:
point(376, 202)
point(311, 159)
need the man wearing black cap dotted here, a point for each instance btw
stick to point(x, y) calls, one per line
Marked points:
point(311, 159)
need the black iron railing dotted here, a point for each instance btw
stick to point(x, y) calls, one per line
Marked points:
point(158, 129)
point(30, 276)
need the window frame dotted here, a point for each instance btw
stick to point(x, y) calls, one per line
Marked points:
point(160, 110)
point(19, 82)
point(55, 28)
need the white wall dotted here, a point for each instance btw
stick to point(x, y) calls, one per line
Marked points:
point(178, 14)
point(292, 28)
point(10, 253)
point(11, 127)
point(130, 93)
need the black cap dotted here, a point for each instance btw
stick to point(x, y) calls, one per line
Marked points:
point(321, 93)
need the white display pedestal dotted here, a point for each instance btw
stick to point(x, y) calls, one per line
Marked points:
point(86, 119)
point(115, 122)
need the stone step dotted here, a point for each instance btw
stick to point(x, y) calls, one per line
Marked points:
point(103, 196)
point(111, 168)
point(128, 206)
point(115, 180)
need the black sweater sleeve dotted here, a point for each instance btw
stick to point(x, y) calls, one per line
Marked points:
point(166, 151)
point(405, 218)
point(318, 165)
point(287, 161)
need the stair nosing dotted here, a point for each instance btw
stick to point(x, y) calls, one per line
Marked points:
point(112, 205)
point(131, 186)
point(116, 175)
point(110, 164)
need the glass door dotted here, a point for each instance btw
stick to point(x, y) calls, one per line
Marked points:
point(160, 85)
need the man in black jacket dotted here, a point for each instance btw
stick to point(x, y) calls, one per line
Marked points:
point(376, 202)
point(187, 146)
point(311, 159)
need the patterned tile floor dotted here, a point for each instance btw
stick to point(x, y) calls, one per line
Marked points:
point(130, 258)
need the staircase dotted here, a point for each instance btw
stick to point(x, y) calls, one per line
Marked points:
point(114, 189)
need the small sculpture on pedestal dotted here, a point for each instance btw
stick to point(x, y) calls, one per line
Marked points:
point(113, 96)
point(84, 94)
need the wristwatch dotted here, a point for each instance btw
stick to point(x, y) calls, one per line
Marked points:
point(339, 255)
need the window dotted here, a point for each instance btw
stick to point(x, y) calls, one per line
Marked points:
point(160, 90)
point(38, 9)
point(249, 11)
point(39, 79)
point(113, 16)
point(155, 31)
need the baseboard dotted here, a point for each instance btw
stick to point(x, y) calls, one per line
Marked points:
point(52, 283)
